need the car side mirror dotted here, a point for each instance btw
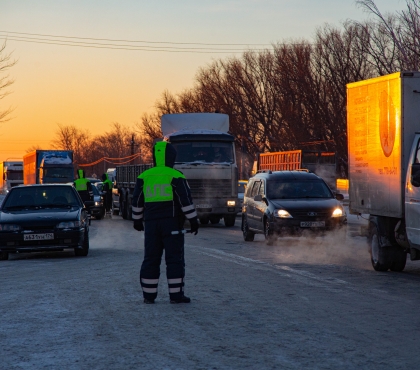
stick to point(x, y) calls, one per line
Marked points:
point(339, 196)
point(415, 174)
point(258, 198)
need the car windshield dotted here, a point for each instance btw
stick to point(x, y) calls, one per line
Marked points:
point(41, 197)
point(204, 152)
point(95, 190)
point(297, 190)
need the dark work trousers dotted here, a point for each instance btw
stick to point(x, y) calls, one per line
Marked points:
point(157, 237)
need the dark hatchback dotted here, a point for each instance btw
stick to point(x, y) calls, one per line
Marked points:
point(49, 217)
point(288, 202)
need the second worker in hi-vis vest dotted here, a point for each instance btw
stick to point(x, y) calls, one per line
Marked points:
point(162, 198)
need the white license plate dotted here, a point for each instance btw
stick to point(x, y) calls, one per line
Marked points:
point(203, 206)
point(312, 224)
point(46, 236)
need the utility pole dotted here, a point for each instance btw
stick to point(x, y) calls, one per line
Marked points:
point(133, 144)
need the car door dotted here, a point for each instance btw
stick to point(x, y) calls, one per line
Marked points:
point(260, 207)
point(412, 195)
point(252, 203)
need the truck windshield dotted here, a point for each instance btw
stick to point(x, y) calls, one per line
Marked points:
point(58, 173)
point(205, 152)
point(297, 190)
point(14, 175)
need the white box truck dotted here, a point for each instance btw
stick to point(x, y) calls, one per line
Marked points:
point(11, 175)
point(383, 127)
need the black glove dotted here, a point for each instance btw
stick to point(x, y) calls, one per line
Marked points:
point(194, 225)
point(138, 225)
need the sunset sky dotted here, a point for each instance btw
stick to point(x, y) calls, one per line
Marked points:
point(92, 86)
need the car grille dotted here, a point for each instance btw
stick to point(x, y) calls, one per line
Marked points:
point(210, 188)
point(304, 216)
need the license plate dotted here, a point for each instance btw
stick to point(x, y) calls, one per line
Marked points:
point(46, 236)
point(312, 224)
point(203, 206)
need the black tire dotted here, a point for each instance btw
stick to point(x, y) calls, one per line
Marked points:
point(399, 260)
point(214, 220)
point(229, 220)
point(4, 256)
point(100, 215)
point(270, 237)
point(380, 257)
point(123, 205)
point(204, 220)
point(247, 234)
point(85, 250)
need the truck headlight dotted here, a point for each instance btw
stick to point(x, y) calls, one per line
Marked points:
point(9, 227)
point(97, 203)
point(231, 203)
point(338, 212)
point(282, 213)
point(69, 224)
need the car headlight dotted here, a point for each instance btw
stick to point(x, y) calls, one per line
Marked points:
point(338, 212)
point(9, 227)
point(69, 224)
point(97, 203)
point(231, 203)
point(282, 213)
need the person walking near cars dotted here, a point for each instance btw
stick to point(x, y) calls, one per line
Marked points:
point(162, 198)
point(107, 188)
point(83, 186)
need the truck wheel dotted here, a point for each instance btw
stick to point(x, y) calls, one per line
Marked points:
point(214, 220)
point(85, 250)
point(248, 235)
point(270, 237)
point(399, 260)
point(4, 256)
point(381, 257)
point(229, 220)
point(204, 220)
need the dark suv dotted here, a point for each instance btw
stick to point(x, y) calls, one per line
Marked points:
point(287, 202)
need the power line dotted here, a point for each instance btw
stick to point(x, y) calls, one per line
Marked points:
point(127, 47)
point(135, 41)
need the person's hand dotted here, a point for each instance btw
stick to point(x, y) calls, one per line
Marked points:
point(138, 225)
point(194, 225)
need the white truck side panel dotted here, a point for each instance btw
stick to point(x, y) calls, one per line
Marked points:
point(381, 121)
point(171, 123)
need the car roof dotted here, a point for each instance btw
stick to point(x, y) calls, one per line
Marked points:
point(38, 185)
point(287, 175)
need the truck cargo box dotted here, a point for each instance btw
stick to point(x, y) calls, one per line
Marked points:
point(382, 116)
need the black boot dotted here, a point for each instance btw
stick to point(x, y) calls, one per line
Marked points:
point(183, 299)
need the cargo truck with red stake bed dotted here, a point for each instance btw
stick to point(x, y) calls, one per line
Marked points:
point(321, 163)
point(48, 166)
point(383, 128)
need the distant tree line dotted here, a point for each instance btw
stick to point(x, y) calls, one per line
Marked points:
point(292, 96)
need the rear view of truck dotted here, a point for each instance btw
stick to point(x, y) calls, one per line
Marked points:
point(383, 123)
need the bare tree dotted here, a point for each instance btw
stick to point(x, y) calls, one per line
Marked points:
point(5, 81)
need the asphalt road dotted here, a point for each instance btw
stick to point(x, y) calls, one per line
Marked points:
point(305, 303)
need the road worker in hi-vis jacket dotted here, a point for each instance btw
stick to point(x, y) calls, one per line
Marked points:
point(162, 198)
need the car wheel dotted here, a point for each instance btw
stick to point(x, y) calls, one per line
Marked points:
point(399, 259)
point(214, 220)
point(229, 220)
point(85, 247)
point(204, 220)
point(270, 237)
point(248, 235)
point(379, 256)
point(4, 256)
